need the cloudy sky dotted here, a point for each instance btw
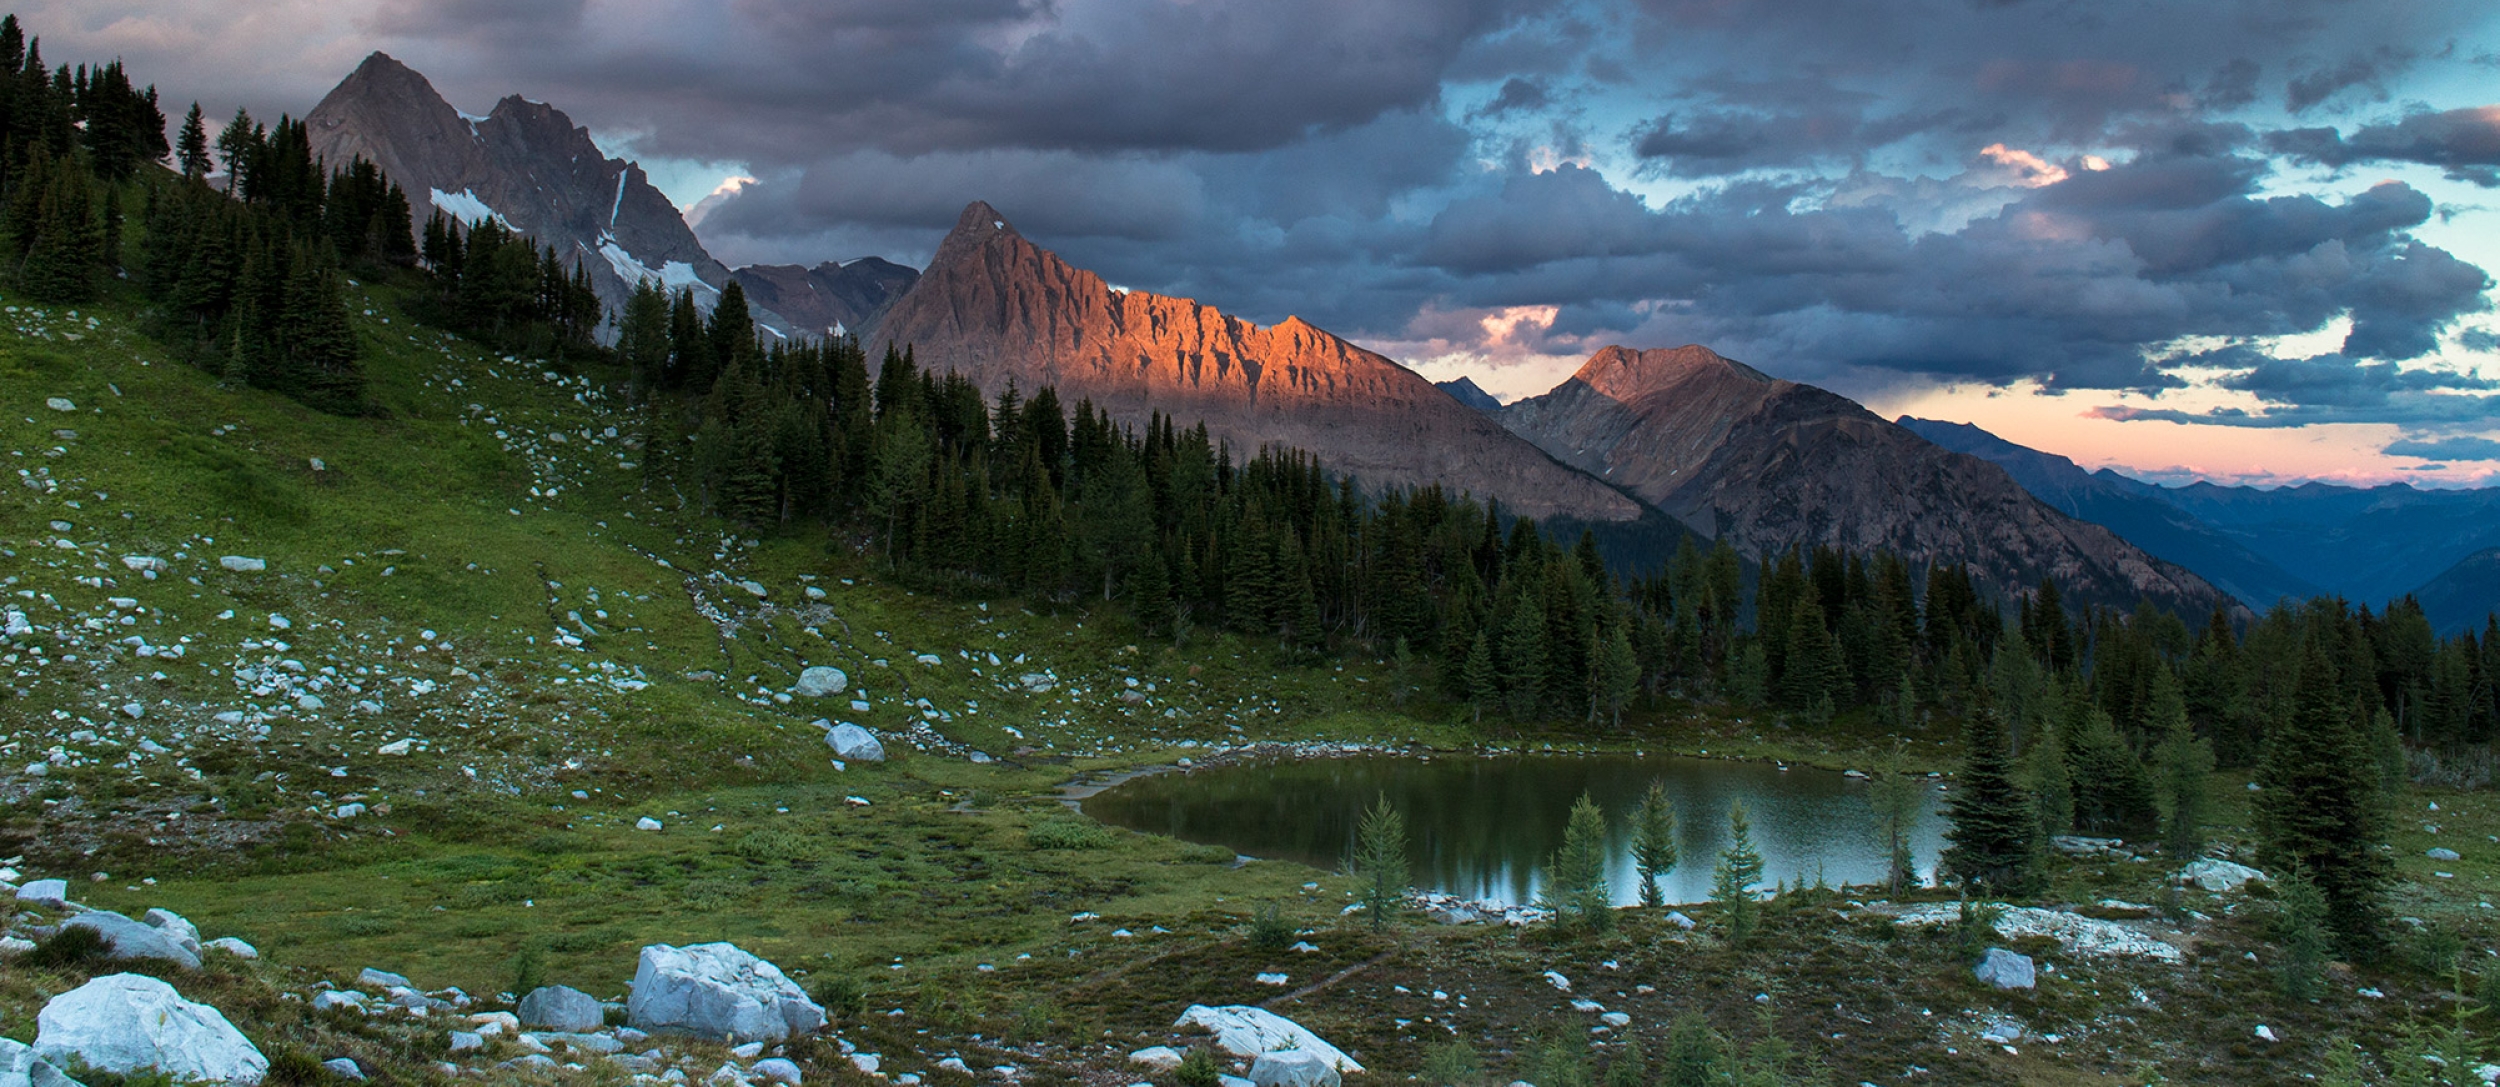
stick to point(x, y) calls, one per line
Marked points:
point(2243, 239)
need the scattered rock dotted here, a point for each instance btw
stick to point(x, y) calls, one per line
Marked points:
point(1248, 1032)
point(329, 999)
point(718, 991)
point(243, 565)
point(396, 747)
point(45, 892)
point(2218, 875)
point(2442, 853)
point(776, 1070)
point(2267, 1034)
point(59, 403)
point(2074, 933)
point(383, 979)
point(131, 940)
point(852, 743)
point(1161, 1058)
point(344, 1068)
point(176, 926)
point(19, 1067)
point(127, 1023)
point(822, 680)
point(464, 1041)
point(2006, 969)
point(1293, 1068)
point(561, 1008)
point(646, 823)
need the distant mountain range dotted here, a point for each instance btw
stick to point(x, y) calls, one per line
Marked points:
point(2368, 545)
point(1639, 445)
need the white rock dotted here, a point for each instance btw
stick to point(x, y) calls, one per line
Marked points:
point(1617, 1020)
point(1293, 1068)
point(344, 1068)
point(646, 823)
point(2442, 853)
point(1161, 1058)
point(820, 681)
point(814, 593)
point(855, 744)
point(127, 1023)
point(464, 1041)
point(776, 1070)
point(396, 747)
point(280, 622)
point(144, 563)
point(59, 403)
point(175, 925)
point(2005, 969)
point(866, 1063)
point(243, 564)
point(12, 947)
point(2218, 875)
point(19, 1067)
point(754, 588)
point(2267, 1034)
point(561, 1008)
point(383, 979)
point(718, 991)
point(232, 946)
point(349, 811)
point(1247, 1032)
point(133, 940)
point(329, 999)
point(45, 892)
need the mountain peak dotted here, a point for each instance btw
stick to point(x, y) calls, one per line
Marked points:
point(1465, 390)
point(1622, 373)
point(977, 227)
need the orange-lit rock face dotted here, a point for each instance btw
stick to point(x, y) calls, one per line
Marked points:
point(997, 308)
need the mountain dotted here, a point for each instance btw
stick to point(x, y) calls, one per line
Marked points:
point(2464, 597)
point(997, 308)
point(1768, 464)
point(2144, 520)
point(1465, 390)
point(2368, 545)
point(830, 298)
point(525, 163)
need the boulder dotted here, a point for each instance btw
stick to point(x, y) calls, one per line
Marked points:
point(1161, 1058)
point(19, 1067)
point(59, 403)
point(776, 1070)
point(2218, 875)
point(820, 681)
point(852, 743)
point(344, 1068)
point(132, 940)
point(176, 926)
point(243, 564)
point(126, 1023)
point(2441, 853)
point(1293, 1068)
point(232, 946)
point(383, 979)
point(45, 892)
point(2006, 969)
point(1247, 1032)
point(647, 823)
point(718, 991)
point(561, 1008)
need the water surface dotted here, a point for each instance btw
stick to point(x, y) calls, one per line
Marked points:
point(1485, 827)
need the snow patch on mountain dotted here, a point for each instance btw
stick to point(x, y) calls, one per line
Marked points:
point(465, 206)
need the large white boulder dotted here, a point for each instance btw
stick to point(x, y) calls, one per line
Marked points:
point(852, 743)
point(2006, 969)
point(717, 991)
point(820, 681)
point(176, 926)
point(1249, 1032)
point(132, 940)
point(243, 564)
point(127, 1023)
point(19, 1067)
point(2218, 875)
point(1293, 1068)
point(561, 1008)
point(45, 892)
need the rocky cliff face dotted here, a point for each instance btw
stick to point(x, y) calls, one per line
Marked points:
point(1769, 464)
point(525, 163)
point(997, 308)
point(830, 298)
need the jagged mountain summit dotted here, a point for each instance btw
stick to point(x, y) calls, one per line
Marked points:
point(830, 298)
point(1768, 464)
point(1465, 390)
point(998, 309)
point(526, 164)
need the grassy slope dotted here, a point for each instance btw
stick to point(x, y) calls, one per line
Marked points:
point(475, 848)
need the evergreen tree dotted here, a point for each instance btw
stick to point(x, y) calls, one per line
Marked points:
point(1576, 879)
point(1653, 842)
point(1614, 676)
point(2052, 781)
point(2112, 793)
point(2318, 805)
point(1379, 863)
point(2299, 928)
point(1694, 1054)
point(2186, 764)
point(1897, 797)
point(1740, 868)
point(191, 149)
point(1482, 683)
point(1150, 595)
point(1523, 658)
point(1995, 830)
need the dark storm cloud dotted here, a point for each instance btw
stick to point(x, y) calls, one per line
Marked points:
point(1516, 96)
point(2334, 389)
point(2458, 448)
point(2364, 70)
point(2466, 142)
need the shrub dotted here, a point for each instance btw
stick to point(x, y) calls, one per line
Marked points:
point(774, 844)
point(70, 949)
point(1453, 1064)
point(1198, 1069)
point(1269, 931)
point(1067, 834)
point(841, 995)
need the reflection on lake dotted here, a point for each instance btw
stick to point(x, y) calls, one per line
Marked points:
point(1485, 827)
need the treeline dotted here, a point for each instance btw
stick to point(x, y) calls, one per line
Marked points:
point(68, 137)
point(498, 286)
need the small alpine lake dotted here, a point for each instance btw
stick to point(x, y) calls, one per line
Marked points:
point(1485, 827)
